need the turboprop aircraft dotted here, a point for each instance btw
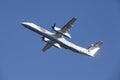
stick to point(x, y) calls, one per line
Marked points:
point(58, 39)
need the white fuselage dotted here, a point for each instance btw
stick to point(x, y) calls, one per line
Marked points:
point(61, 41)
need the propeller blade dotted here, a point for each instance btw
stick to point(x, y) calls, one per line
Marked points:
point(53, 26)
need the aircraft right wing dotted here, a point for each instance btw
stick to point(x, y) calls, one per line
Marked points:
point(47, 46)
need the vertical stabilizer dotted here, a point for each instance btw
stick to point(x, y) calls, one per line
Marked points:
point(94, 48)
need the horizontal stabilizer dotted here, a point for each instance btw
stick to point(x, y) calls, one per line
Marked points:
point(98, 44)
point(94, 48)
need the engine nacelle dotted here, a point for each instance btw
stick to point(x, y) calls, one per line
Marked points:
point(56, 45)
point(51, 42)
point(56, 28)
point(66, 34)
point(45, 39)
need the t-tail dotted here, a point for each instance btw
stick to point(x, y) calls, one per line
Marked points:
point(94, 48)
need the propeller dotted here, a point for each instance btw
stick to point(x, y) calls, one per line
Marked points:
point(42, 38)
point(53, 26)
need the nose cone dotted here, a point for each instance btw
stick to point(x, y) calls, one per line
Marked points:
point(23, 23)
point(26, 24)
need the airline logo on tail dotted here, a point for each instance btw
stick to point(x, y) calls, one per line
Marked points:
point(94, 48)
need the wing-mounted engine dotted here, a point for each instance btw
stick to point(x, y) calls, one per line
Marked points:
point(57, 29)
point(51, 42)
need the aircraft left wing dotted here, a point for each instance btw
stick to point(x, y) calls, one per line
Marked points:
point(47, 46)
point(68, 25)
point(64, 31)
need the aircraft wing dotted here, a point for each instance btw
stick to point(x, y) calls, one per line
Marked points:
point(47, 46)
point(68, 25)
point(66, 28)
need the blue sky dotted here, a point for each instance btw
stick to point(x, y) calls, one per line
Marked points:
point(21, 57)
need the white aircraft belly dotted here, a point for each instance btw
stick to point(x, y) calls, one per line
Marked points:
point(72, 46)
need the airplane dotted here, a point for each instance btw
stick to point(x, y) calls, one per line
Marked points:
point(58, 39)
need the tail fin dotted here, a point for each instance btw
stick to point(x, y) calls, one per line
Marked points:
point(94, 48)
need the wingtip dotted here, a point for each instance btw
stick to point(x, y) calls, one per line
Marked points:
point(75, 18)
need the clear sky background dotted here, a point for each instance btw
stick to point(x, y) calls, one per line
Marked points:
point(21, 57)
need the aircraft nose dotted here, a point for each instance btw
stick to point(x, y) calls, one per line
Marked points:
point(26, 24)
